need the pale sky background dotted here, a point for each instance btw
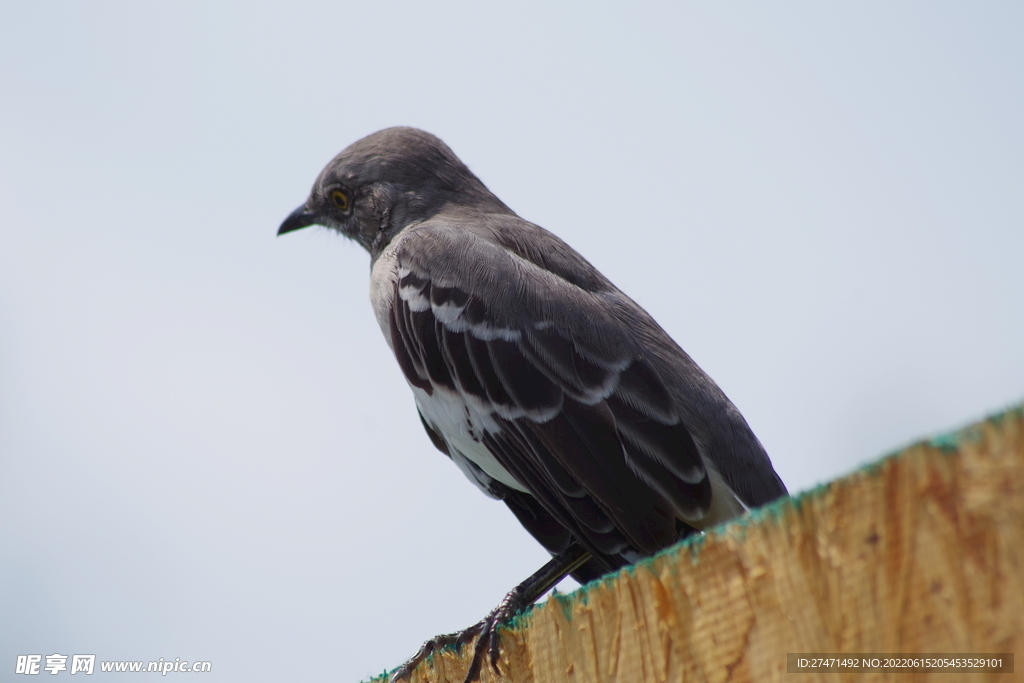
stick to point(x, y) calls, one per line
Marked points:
point(206, 449)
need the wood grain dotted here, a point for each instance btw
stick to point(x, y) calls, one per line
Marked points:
point(922, 552)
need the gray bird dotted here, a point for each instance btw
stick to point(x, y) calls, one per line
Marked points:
point(547, 386)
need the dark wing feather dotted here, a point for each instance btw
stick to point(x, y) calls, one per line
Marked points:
point(408, 357)
point(578, 417)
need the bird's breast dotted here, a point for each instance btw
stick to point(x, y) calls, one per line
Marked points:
point(383, 276)
point(463, 421)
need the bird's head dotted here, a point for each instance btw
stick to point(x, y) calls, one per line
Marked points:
point(395, 177)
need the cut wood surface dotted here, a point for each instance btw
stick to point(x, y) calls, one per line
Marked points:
point(921, 552)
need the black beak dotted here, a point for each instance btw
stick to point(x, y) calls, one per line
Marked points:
point(297, 220)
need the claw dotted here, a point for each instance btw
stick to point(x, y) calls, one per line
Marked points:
point(459, 638)
point(486, 631)
point(488, 644)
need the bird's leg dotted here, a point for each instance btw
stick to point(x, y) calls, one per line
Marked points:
point(526, 593)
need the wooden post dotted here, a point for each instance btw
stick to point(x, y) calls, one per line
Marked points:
point(921, 552)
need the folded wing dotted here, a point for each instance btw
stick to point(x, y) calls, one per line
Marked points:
point(562, 395)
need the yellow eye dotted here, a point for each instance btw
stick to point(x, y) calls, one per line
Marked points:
point(340, 199)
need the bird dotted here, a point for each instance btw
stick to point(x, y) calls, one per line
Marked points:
point(547, 386)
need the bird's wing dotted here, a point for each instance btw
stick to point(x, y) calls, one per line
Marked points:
point(574, 410)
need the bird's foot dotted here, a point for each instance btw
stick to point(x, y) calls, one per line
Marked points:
point(486, 631)
point(488, 644)
point(428, 648)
